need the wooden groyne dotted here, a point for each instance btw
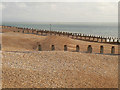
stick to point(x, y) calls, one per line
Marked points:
point(89, 49)
point(78, 36)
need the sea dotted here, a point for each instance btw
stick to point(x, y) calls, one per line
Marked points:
point(105, 29)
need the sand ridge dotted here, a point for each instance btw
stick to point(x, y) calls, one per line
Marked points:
point(30, 42)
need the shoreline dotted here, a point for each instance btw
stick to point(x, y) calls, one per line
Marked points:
point(89, 28)
point(79, 36)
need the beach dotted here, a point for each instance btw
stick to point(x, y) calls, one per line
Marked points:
point(59, 45)
point(26, 67)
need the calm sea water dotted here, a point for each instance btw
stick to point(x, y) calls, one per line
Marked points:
point(98, 29)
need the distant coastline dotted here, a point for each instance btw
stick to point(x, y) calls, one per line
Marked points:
point(107, 29)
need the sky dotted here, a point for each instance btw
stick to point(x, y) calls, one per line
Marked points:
point(59, 0)
point(59, 11)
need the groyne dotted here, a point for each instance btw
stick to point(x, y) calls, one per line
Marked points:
point(89, 47)
point(78, 36)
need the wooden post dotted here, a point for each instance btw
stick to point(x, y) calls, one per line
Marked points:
point(113, 50)
point(52, 47)
point(77, 48)
point(39, 48)
point(65, 47)
point(101, 39)
point(101, 49)
point(89, 49)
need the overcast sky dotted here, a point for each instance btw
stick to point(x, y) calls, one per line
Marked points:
point(59, 11)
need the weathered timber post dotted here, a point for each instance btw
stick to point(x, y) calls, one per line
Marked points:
point(113, 50)
point(39, 48)
point(113, 40)
point(117, 40)
point(98, 38)
point(101, 39)
point(101, 49)
point(77, 48)
point(88, 37)
point(52, 47)
point(109, 39)
point(65, 47)
point(83, 37)
point(89, 49)
point(106, 40)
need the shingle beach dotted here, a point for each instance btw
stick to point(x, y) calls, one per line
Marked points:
point(23, 66)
